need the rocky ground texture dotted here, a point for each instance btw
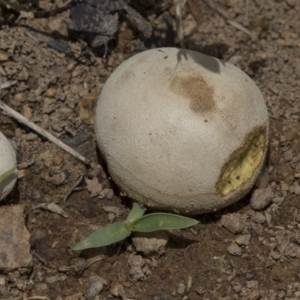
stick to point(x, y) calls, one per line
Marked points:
point(250, 250)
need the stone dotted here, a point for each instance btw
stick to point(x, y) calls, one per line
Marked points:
point(151, 244)
point(261, 198)
point(233, 222)
point(234, 249)
point(14, 239)
point(258, 218)
point(243, 240)
point(95, 287)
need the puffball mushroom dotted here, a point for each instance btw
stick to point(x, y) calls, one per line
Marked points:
point(182, 131)
point(7, 162)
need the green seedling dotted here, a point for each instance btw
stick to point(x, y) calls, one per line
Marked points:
point(6, 174)
point(135, 222)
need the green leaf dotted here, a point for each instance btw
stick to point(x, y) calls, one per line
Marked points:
point(105, 236)
point(135, 213)
point(161, 221)
point(7, 173)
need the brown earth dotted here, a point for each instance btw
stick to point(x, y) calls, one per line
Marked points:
point(59, 94)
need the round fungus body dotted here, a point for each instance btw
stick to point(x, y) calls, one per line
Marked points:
point(182, 131)
point(7, 162)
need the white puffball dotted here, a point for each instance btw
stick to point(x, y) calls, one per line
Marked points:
point(182, 131)
point(7, 162)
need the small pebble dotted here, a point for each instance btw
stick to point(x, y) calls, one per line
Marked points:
point(14, 292)
point(258, 218)
point(233, 222)
point(275, 255)
point(95, 288)
point(181, 288)
point(250, 275)
point(51, 93)
point(31, 136)
point(243, 240)
point(55, 279)
point(2, 281)
point(234, 249)
point(254, 295)
point(151, 244)
point(117, 290)
point(261, 198)
point(236, 286)
point(110, 194)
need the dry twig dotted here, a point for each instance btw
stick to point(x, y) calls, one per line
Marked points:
point(178, 18)
point(12, 113)
point(222, 12)
point(195, 8)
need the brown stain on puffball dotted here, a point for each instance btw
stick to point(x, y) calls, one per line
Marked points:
point(197, 90)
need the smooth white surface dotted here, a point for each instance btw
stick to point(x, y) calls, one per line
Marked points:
point(158, 147)
point(7, 162)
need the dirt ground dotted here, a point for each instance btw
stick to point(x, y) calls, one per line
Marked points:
point(57, 89)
